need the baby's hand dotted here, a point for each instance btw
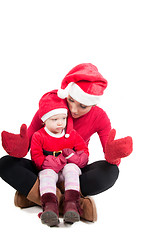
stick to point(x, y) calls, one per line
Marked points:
point(54, 163)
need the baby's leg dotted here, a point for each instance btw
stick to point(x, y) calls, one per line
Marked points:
point(71, 174)
point(72, 208)
point(48, 179)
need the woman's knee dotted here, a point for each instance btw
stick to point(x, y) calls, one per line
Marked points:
point(4, 162)
point(7, 163)
point(109, 174)
point(106, 175)
point(113, 170)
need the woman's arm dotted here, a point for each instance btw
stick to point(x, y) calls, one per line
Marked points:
point(114, 150)
point(103, 126)
point(35, 125)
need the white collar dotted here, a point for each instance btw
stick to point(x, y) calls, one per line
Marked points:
point(53, 134)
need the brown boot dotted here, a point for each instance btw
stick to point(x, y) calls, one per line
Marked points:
point(33, 198)
point(22, 202)
point(34, 194)
point(61, 186)
point(89, 212)
point(72, 208)
point(50, 215)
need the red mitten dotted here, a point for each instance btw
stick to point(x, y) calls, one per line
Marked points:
point(116, 149)
point(68, 153)
point(54, 163)
point(80, 158)
point(16, 145)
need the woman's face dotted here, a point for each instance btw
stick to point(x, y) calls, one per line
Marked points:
point(77, 109)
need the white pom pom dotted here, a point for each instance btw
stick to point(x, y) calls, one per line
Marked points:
point(62, 93)
point(67, 135)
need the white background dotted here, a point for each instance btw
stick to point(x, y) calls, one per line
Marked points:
point(40, 41)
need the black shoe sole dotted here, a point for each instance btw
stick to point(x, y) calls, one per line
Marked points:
point(49, 218)
point(71, 217)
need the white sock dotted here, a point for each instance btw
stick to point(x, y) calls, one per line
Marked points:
point(48, 179)
point(71, 174)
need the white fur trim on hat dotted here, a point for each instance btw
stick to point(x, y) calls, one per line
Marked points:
point(80, 96)
point(54, 112)
point(63, 93)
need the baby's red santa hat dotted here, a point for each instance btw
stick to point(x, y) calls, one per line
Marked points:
point(50, 104)
point(84, 84)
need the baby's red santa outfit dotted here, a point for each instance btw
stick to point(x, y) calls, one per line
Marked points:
point(44, 141)
point(49, 153)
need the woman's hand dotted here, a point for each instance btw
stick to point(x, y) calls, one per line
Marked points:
point(16, 145)
point(117, 149)
point(54, 163)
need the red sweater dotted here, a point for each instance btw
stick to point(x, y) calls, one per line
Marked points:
point(41, 140)
point(95, 121)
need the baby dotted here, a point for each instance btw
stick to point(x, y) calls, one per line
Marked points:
point(58, 152)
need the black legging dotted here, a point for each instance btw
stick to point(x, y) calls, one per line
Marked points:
point(21, 174)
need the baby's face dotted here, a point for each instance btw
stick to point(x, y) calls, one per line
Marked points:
point(56, 123)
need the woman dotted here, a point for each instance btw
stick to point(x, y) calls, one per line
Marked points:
point(82, 87)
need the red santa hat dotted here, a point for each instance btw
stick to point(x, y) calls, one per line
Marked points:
point(50, 104)
point(84, 84)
